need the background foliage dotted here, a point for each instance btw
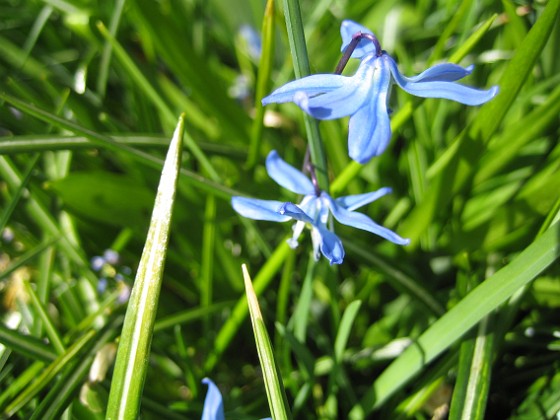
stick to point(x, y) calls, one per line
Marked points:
point(91, 93)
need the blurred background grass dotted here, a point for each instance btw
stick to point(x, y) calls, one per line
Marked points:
point(85, 124)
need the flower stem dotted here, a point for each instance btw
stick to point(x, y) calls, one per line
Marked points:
point(298, 49)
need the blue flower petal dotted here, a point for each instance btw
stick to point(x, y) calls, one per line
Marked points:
point(361, 221)
point(441, 89)
point(369, 129)
point(331, 245)
point(256, 209)
point(348, 29)
point(311, 85)
point(293, 211)
point(213, 404)
point(445, 72)
point(287, 176)
point(341, 102)
point(353, 202)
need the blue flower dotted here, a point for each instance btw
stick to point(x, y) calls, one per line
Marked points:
point(314, 210)
point(213, 404)
point(364, 95)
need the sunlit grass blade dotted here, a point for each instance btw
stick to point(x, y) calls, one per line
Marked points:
point(298, 47)
point(134, 346)
point(462, 317)
point(273, 381)
point(473, 378)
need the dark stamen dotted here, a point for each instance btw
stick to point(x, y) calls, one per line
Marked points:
point(309, 167)
point(356, 38)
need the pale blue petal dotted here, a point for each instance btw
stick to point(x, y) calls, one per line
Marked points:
point(256, 209)
point(310, 85)
point(369, 129)
point(353, 202)
point(441, 89)
point(361, 221)
point(213, 404)
point(445, 72)
point(293, 211)
point(331, 246)
point(347, 30)
point(287, 176)
point(343, 101)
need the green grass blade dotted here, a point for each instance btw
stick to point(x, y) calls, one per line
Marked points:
point(263, 81)
point(239, 313)
point(30, 346)
point(463, 316)
point(134, 347)
point(473, 378)
point(109, 143)
point(296, 37)
point(273, 381)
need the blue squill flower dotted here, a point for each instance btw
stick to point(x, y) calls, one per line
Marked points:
point(364, 95)
point(213, 404)
point(314, 210)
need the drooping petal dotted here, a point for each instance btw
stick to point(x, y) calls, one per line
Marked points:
point(293, 211)
point(311, 85)
point(353, 202)
point(287, 176)
point(369, 129)
point(348, 29)
point(331, 245)
point(213, 404)
point(256, 209)
point(341, 102)
point(441, 89)
point(444, 72)
point(361, 221)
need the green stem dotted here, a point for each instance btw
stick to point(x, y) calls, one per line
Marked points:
point(298, 48)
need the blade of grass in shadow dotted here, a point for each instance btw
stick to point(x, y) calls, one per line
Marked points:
point(263, 82)
point(151, 92)
point(134, 346)
point(109, 143)
point(230, 328)
point(462, 317)
point(30, 346)
point(275, 392)
point(46, 377)
point(5, 215)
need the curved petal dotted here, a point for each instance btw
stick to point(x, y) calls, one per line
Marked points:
point(311, 85)
point(344, 101)
point(287, 176)
point(256, 209)
point(353, 202)
point(445, 72)
point(369, 129)
point(361, 221)
point(331, 245)
point(294, 212)
point(348, 29)
point(213, 404)
point(441, 89)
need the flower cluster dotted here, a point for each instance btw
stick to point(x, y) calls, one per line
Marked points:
point(364, 98)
